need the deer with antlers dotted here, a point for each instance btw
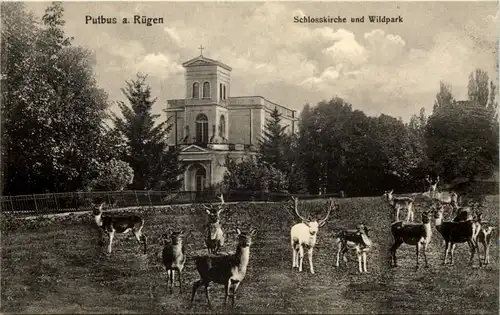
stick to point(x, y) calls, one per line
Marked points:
point(304, 235)
point(400, 203)
point(119, 224)
point(443, 197)
point(214, 235)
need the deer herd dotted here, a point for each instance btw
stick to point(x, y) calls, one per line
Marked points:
point(230, 269)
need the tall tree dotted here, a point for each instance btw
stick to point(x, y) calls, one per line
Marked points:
point(444, 97)
point(274, 142)
point(155, 164)
point(51, 105)
point(478, 90)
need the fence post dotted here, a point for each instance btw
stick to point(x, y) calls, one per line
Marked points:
point(11, 203)
point(136, 199)
point(57, 204)
point(149, 198)
point(36, 206)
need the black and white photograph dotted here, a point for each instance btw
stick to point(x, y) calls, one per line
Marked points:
point(249, 157)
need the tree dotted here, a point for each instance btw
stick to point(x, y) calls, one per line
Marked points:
point(444, 97)
point(114, 175)
point(274, 142)
point(155, 164)
point(51, 105)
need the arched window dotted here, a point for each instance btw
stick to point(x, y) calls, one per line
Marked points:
point(196, 90)
point(222, 128)
point(206, 89)
point(224, 88)
point(201, 128)
point(221, 96)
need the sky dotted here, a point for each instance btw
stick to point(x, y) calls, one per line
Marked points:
point(394, 69)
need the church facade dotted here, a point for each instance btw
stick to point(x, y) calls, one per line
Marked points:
point(210, 124)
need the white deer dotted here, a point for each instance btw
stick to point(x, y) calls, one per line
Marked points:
point(304, 235)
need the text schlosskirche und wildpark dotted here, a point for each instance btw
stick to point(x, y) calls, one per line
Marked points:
point(338, 19)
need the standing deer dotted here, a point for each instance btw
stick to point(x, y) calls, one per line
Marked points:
point(304, 235)
point(174, 257)
point(214, 236)
point(119, 224)
point(458, 232)
point(443, 197)
point(229, 270)
point(417, 234)
point(357, 240)
point(399, 203)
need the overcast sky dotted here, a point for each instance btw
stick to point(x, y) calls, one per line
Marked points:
point(393, 69)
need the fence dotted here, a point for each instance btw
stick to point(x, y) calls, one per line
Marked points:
point(82, 201)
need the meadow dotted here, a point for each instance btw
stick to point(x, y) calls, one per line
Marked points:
point(56, 266)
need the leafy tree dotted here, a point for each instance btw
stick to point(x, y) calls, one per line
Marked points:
point(114, 175)
point(444, 97)
point(155, 164)
point(52, 109)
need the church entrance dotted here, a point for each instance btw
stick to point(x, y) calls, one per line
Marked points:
point(200, 178)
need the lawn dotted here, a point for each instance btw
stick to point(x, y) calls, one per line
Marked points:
point(58, 267)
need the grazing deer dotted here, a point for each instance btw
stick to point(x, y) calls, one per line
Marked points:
point(458, 232)
point(398, 203)
point(119, 224)
point(357, 240)
point(174, 257)
point(418, 234)
point(304, 235)
point(214, 236)
point(229, 270)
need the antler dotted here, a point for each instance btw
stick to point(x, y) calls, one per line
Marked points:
point(437, 179)
point(222, 203)
point(331, 205)
point(428, 179)
point(296, 204)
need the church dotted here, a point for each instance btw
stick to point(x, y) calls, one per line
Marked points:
point(210, 124)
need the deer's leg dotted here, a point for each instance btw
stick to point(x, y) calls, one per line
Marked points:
point(418, 251)
point(344, 252)
point(364, 262)
point(301, 257)
point(360, 260)
point(196, 285)
point(472, 251)
point(294, 256)
point(339, 249)
point(452, 252)
point(207, 295)
point(476, 246)
point(227, 287)
point(310, 256)
point(424, 252)
point(446, 248)
point(111, 236)
point(394, 248)
point(235, 288)
point(179, 272)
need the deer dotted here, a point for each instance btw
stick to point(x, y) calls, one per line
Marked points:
point(174, 257)
point(304, 234)
point(458, 232)
point(398, 203)
point(443, 197)
point(485, 233)
point(119, 224)
point(214, 236)
point(357, 240)
point(417, 234)
point(229, 270)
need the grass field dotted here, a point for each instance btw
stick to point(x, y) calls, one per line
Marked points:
point(59, 268)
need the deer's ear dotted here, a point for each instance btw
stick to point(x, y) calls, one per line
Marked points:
point(252, 232)
point(238, 231)
point(208, 211)
point(181, 232)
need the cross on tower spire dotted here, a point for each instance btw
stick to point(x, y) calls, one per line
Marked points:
point(201, 50)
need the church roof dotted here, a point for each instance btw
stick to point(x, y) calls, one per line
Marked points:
point(204, 61)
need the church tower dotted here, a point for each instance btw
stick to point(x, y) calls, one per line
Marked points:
point(206, 101)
